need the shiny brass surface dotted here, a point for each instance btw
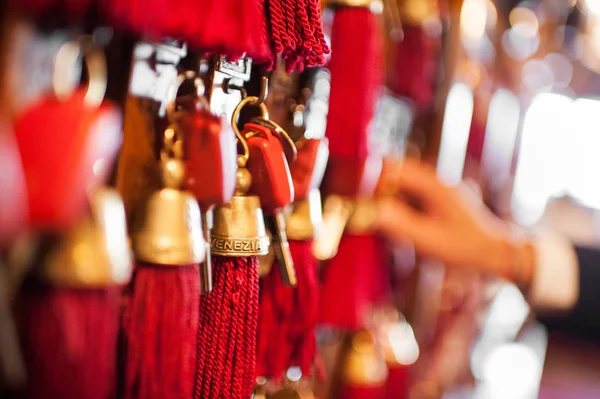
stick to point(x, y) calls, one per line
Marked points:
point(365, 364)
point(96, 252)
point(361, 220)
point(336, 212)
point(239, 228)
point(206, 267)
point(305, 220)
point(170, 232)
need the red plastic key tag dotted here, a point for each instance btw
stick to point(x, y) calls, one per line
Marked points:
point(68, 141)
point(271, 177)
point(210, 158)
point(309, 168)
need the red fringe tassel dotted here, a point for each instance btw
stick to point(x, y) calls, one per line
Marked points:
point(69, 341)
point(396, 386)
point(227, 332)
point(361, 392)
point(160, 325)
point(288, 318)
point(352, 283)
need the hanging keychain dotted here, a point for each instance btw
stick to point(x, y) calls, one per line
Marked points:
point(272, 180)
point(163, 306)
point(229, 315)
point(68, 311)
point(210, 159)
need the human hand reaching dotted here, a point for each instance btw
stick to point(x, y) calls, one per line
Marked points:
point(448, 223)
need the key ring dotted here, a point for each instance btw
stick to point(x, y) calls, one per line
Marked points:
point(94, 62)
point(250, 100)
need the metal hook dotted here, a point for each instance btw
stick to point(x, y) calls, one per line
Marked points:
point(251, 100)
point(181, 78)
point(264, 91)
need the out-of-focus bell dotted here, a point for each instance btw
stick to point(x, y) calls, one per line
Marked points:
point(96, 252)
point(305, 221)
point(239, 227)
point(365, 362)
point(170, 232)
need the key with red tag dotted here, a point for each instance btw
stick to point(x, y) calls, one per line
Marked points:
point(210, 155)
point(272, 182)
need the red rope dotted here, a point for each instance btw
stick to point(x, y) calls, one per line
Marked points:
point(227, 331)
point(69, 341)
point(160, 324)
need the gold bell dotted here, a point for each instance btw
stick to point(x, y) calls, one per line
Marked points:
point(171, 230)
point(365, 363)
point(239, 227)
point(96, 252)
point(305, 220)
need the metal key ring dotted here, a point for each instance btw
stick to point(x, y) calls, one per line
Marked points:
point(250, 100)
point(172, 97)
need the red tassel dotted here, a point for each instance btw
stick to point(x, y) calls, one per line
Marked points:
point(302, 334)
point(396, 386)
point(288, 317)
point(414, 59)
point(351, 283)
point(296, 33)
point(227, 332)
point(69, 341)
point(356, 78)
point(160, 325)
point(361, 392)
point(226, 27)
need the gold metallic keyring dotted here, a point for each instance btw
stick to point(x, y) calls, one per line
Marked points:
point(250, 100)
point(95, 63)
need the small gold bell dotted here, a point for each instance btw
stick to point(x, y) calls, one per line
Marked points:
point(96, 252)
point(171, 230)
point(305, 221)
point(365, 363)
point(239, 227)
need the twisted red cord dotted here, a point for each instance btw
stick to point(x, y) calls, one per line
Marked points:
point(227, 331)
point(69, 341)
point(160, 324)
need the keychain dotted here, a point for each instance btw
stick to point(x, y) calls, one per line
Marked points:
point(271, 180)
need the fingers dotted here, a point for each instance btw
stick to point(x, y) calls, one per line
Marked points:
point(398, 221)
point(418, 180)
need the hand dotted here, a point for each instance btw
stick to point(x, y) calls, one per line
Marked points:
point(451, 224)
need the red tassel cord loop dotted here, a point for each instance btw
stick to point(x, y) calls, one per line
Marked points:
point(160, 325)
point(227, 331)
point(288, 317)
point(69, 341)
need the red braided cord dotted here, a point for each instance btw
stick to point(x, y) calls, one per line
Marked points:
point(69, 341)
point(160, 324)
point(227, 333)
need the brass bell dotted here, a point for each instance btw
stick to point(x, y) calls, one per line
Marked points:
point(365, 363)
point(305, 220)
point(96, 252)
point(170, 232)
point(239, 227)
